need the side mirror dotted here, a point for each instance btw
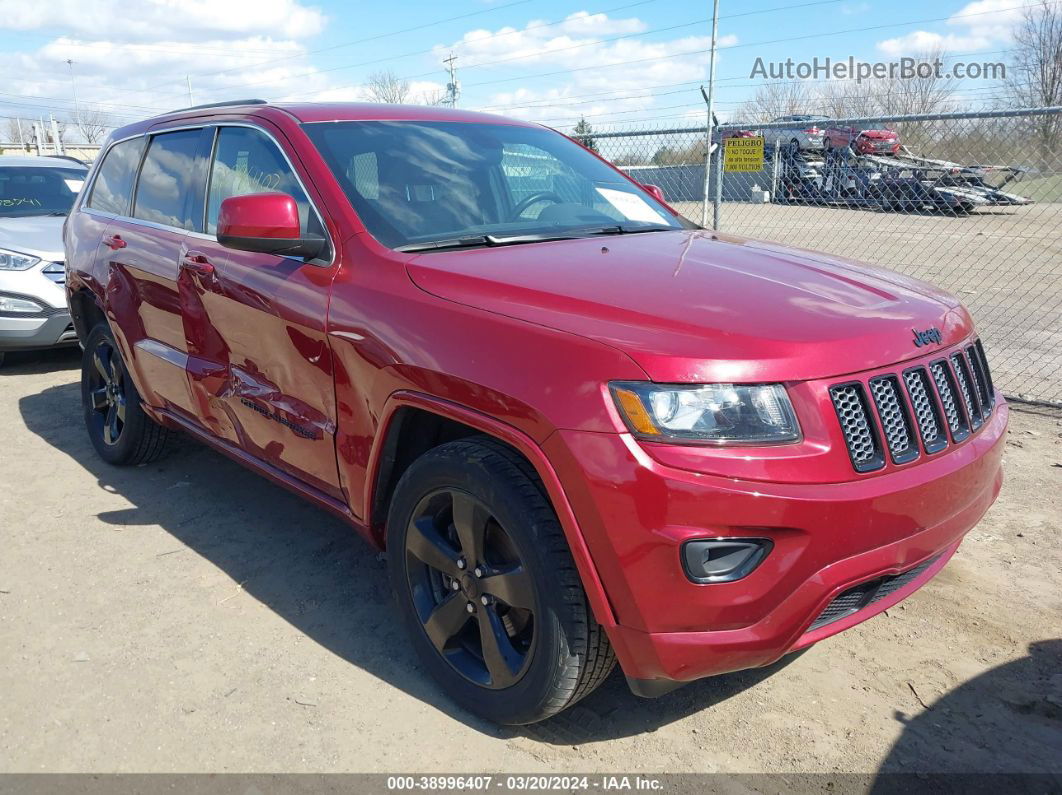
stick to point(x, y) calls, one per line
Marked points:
point(267, 223)
point(655, 192)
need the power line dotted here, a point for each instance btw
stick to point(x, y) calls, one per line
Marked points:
point(353, 42)
point(511, 33)
point(477, 41)
point(700, 104)
point(665, 57)
point(621, 95)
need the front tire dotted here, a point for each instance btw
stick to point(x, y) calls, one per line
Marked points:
point(487, 587)
point(117, 425)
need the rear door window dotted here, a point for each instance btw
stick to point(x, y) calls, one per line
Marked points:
point(113, 188)
point(170, 180)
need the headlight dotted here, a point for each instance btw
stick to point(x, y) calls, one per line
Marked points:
point(10, 305)
point(716, 413)
point(13, 261)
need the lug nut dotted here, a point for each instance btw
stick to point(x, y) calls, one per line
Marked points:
point(471, 608)
point(461, 564)
point(478, 572)
point(484, 600)
point(455, 585)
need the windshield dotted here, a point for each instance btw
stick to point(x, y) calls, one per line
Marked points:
point(421, 182)
point(38, 190)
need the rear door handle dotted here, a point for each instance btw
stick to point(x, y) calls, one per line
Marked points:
point(114, 242)
point(197, 263)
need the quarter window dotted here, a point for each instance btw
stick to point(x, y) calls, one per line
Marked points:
point(169, 180)
point(247, 161)
point(114, 184)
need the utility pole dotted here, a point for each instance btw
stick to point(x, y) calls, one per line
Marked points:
point(709, 98)
point(73, 89)
point(188, 80)
point(38, 134)
point(453, 88)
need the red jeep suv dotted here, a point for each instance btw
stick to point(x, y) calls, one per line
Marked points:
point(583, 429)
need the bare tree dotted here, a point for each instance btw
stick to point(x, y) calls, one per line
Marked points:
point(776, 99)
point(14, 134)
point(1035, 77)
point(923, 93)
point(433, 98)
point(844, 98)
point(90, 121)
point(386, 86)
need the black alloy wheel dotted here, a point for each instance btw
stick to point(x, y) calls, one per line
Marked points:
point(486, 585)
point(471, 592)
point(107, 392)
point(118, 427)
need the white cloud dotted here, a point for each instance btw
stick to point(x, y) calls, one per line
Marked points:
point(127, 81)
point(621, 72)
point(978, 25)
point(179, 19)
point(130, 60)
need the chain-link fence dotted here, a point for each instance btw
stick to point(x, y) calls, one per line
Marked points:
point(969, 202)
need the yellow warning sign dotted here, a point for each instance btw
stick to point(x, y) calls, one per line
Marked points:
point(743, 154)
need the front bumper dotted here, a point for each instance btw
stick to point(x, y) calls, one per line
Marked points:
point(635, 512)
point(36, 331)
point(878, 147)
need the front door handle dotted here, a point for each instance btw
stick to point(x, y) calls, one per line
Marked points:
point(114, 242)
point(197, 263)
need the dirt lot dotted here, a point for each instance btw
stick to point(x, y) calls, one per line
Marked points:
point(188, 616)
point(1005, 263)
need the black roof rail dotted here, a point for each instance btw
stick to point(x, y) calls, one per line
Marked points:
point(77, 160)
point(222, 104)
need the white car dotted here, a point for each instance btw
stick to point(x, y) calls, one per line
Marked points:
point(799, 131)
point(36, 193)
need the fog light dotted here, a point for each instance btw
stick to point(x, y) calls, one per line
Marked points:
point(723, 559)
point(14, 305)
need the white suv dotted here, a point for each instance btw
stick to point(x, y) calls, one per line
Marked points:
point(36, 193)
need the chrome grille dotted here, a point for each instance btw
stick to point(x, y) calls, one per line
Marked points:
point(895, 421)
point(969, 398)
point(980, 381)
point(980, 349)
point(930, 425)
point(946, 389)
point(850, 404)
point(914, 411)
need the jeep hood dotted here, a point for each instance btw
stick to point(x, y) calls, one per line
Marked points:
point(691, 306)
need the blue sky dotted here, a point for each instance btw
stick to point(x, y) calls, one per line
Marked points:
point(613, 61)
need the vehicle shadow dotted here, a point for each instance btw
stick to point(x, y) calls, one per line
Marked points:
point(52, 360)
point(1008, 720)
point(313, 571)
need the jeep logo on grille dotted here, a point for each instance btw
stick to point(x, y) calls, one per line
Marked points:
point(925, 337)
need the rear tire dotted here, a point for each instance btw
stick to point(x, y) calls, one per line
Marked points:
point(122, 433)
point(553, 651)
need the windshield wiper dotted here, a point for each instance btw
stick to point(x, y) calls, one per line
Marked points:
point(540, 237)
point(456, 242)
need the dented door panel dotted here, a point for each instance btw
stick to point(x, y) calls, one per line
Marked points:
point(259, 365)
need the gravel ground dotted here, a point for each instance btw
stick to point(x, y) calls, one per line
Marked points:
point(188, 616)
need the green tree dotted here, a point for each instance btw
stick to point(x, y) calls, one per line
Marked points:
point(584, 134)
